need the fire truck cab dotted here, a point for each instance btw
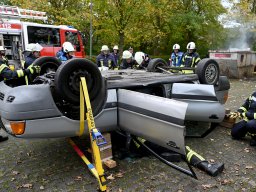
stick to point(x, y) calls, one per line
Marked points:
point(15, 34)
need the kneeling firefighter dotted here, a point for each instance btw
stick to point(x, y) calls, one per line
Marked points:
point(247, 124)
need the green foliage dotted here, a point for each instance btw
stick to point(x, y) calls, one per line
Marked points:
point(152, 26)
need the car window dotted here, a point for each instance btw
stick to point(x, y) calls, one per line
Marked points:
point(45, 36)
point(72, 37)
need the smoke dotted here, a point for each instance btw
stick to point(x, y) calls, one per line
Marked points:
point(240, 41)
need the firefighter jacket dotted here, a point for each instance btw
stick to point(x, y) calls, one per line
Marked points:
point(132, 65)
point(29, 60)
point(176, 59)
point(106, 60)
point(63, 56)
point(190, 59)
point(116, 57)
point(248, 109)
point(7, 73)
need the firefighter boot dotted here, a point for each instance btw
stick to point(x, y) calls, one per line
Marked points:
point(211, 169)
point(198, 161)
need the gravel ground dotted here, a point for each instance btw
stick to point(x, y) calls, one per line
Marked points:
point(52, 165)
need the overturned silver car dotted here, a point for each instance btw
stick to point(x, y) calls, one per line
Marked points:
point(159, 107)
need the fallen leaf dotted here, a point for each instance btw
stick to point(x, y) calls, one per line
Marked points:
point(225, 182)
point(207, 186)
point(110, 177)
point(15, 173)
point(120, 190)
point(247, 150)
point(41, 187)
point(78, 178)
point(212, 161)
point(119, 175)
point(249, 167)
point(28, 185)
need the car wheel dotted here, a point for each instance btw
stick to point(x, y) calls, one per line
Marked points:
point(67, 80)
point(208, 71)
point(222, 84)
point(154, 63)
point(47, 64)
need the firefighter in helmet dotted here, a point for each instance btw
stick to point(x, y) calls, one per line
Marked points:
point(142, 60)
point(33, 52)
point(2, 55)
point(67, 52)
point(6, 74)
point(247, 124)
point(176, 56)
point(127, 61)
point(191, 58)
point(105, 59)
point(116, 54)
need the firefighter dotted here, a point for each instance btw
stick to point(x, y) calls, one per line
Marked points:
point(131, 51)
point(6, 73)
point(67, 52)
point(2, 55)
point(191, 58)
point(33, 52)
point(247, 124)
point(127, 61)
point(116, 54)
point(142, 60)
point(105, 59)
point(176, 56)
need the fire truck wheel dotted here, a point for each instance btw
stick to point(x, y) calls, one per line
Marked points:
point(154, 63)
point(47, 64)
point(67, 80)
point(208, 71)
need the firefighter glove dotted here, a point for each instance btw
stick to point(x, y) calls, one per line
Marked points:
point(33, 69)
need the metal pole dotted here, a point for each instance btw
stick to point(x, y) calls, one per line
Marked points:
point(91, 30)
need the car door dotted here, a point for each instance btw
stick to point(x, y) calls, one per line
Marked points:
point(156, 119)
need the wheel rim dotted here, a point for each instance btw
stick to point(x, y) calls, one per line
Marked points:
point(74, 80)
point(211, 73)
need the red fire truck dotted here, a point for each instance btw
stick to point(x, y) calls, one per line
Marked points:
point(15, 34)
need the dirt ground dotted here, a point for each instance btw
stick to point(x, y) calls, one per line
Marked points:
point(52, 165)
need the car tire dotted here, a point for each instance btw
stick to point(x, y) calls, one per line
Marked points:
point(47, 64)
point(222, 84)
point(208, 71)
point(67, 80)
point(154, 63)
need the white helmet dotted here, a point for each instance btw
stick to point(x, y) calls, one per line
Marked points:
point(32, 47)
point(139, 57)
point(115, 47)
point(191, 45)
point(2, 48)
point(176, 46)
point(127, 55)
point(68, 47)
point(104, 48)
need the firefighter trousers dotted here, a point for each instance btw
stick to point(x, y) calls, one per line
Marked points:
point(242, 128)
